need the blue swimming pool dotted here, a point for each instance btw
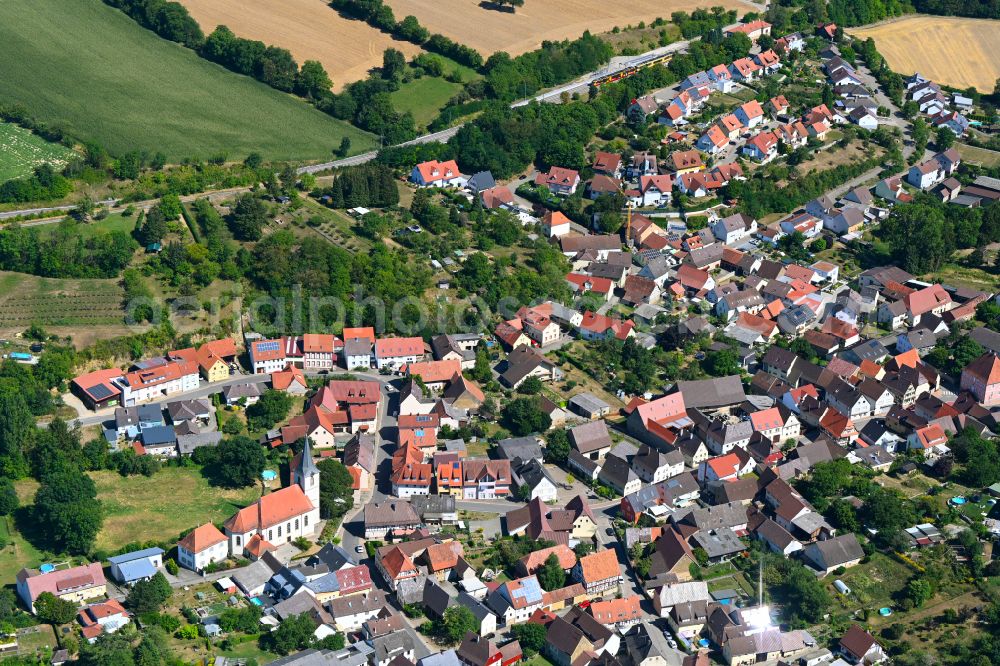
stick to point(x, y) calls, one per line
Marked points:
point(256, 601)
point(269, 475)
point(885, 612)
point(958, 501)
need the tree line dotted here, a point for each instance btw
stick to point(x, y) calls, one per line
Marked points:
point(380, 15)
point(368, 185)
point(848, 13)
point(61, 252)
point(924, 234)
point(509, 78)
point(44, 184)
point(701, 22)
point(989, 9)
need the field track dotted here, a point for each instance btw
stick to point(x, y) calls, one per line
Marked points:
point(489, 30)
point(959, 52)
point(310, 29)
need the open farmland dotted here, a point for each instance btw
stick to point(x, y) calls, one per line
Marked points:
point(310, 29)
point(92, 70)
point(488, 30)
point(58, 303)
point(21, 151)
point(959, 52)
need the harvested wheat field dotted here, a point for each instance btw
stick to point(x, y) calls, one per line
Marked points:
point(959, 52)
point(488, 30)
point(310, 29)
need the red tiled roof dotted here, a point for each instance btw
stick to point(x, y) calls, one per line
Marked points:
point(432, 170)
point(269, 510)
point(364, 333)
point(925, 300)
point(394, 347)
point(986, 368)
point(612, 611)
point(201, 537)
point(160, 374)
point(434, 371)
point(566, 557)
point(583, 282)
point(599, 566)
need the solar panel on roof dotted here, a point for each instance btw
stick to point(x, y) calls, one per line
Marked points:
point(100, 392)
point(269, 346)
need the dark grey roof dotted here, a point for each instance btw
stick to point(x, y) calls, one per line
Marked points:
point(360, 451)
point(532, 473)
point(616, 472)
point(307, 466)
point(436, 598)
point(716, 392)
point(525, 448)
point(519, 364)
point(357, 347)
point(589, 437)
point(390, 512)
point(330, 557)
point(481, 180)
point(188, 443)
point(588, 402)
point(186, 410)
point(158, 436)
point(236, 391)
point(836, 551)
point(391, 645)
point(646, 641)
point(429, 504)
point(719, 543)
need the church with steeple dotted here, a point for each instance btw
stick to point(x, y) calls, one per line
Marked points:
point(281, 516)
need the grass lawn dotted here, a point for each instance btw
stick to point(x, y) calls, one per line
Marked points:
point(987, 158)
point(424, 98)
point(113, 222)
point(537, 660)
point(21, 151)
point(161, 507)
point(875, 582)
point(95, 72)
point(18, 553)
point(964, 276)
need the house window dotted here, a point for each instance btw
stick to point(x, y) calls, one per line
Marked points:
point(238, 541)
point(279, 531)
point(270, 535)
point(305, 520)
point(296, 523)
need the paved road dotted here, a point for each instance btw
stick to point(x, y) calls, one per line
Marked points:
point(580, 85)
point(52, 209)
point(114, 205)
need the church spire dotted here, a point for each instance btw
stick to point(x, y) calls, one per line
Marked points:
point(306, 474)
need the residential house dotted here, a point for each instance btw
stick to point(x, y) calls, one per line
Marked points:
point(857, 646)
point(750, 114)
point(598, 572)
point(734, 228)
point(75, 584)
point(524, 362)
point(390, 515)
point(840, 551)
point(514, 601)
point(438, 174)
point(981, 378)
point(559, 180)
